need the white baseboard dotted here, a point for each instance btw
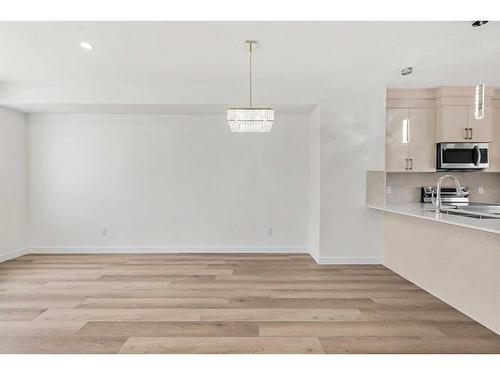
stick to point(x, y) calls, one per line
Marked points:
point(347, 260)
point(13, 254)
point(168, 249)
point(315, 257)
point(189, 249)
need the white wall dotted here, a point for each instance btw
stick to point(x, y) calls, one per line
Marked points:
point(352, 142)
point(314, 183)
point(184, 182)
point(13, 183)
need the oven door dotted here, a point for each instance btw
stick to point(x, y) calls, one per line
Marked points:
point(462, 156)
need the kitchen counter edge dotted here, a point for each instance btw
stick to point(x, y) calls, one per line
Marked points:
point(424, 211)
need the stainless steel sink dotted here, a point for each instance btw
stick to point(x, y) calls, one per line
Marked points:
point(472, 210)
point(484, 207)
point(471, 214)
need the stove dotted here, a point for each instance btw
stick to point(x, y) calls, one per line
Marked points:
point(448, 195)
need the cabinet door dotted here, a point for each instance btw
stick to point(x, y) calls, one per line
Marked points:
point(423, 139)
point(481, 129)
point(396, 140)
point(451, 124)
point(494, 149)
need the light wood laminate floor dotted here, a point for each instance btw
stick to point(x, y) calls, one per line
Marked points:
point(222, 303)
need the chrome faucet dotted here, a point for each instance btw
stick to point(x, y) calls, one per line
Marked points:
point(438, 203)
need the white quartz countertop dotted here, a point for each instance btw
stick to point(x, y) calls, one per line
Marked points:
point(424, 211)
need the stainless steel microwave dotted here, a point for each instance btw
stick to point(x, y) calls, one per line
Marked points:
point(458, 156)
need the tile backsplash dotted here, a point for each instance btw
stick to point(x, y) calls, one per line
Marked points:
point(405, 187)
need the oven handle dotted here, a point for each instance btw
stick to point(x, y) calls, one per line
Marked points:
point(478, 155)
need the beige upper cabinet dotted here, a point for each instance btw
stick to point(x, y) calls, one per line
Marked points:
point(451, 124)
point(494, 150)
point(457, 124)
point(410, 140)
point(396, 140)
point(422, 139)
point(480, 130)
point(417, 119)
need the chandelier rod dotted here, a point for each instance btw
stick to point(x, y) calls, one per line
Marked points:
point(250, 44)
point(250, 73)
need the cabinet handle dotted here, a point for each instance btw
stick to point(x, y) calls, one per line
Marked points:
point(466, 133)
point(470, 133)
point(411, 164)
point(406, 164)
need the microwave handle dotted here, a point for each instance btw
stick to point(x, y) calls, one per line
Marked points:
point(478, 155)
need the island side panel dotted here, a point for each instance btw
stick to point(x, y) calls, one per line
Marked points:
point(458, 265)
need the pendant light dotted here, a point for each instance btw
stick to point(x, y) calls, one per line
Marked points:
point(250, 119)
point(480, 88)
point(406, 72)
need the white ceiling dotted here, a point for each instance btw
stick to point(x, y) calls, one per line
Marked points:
point(212, 52)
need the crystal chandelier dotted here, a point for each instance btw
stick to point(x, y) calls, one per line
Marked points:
point(250, 119)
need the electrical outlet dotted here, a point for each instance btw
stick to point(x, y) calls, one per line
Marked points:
point(480, 189)
point(104, 231)
point(388, 190)
point(270, 231)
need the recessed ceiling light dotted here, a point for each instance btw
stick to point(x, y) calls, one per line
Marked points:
point(478, 23)
point(407, 71)
point(86, 45)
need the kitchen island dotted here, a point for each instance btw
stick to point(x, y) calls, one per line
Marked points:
point(455, 258)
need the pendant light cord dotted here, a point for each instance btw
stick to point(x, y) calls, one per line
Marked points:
point(481, 54)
